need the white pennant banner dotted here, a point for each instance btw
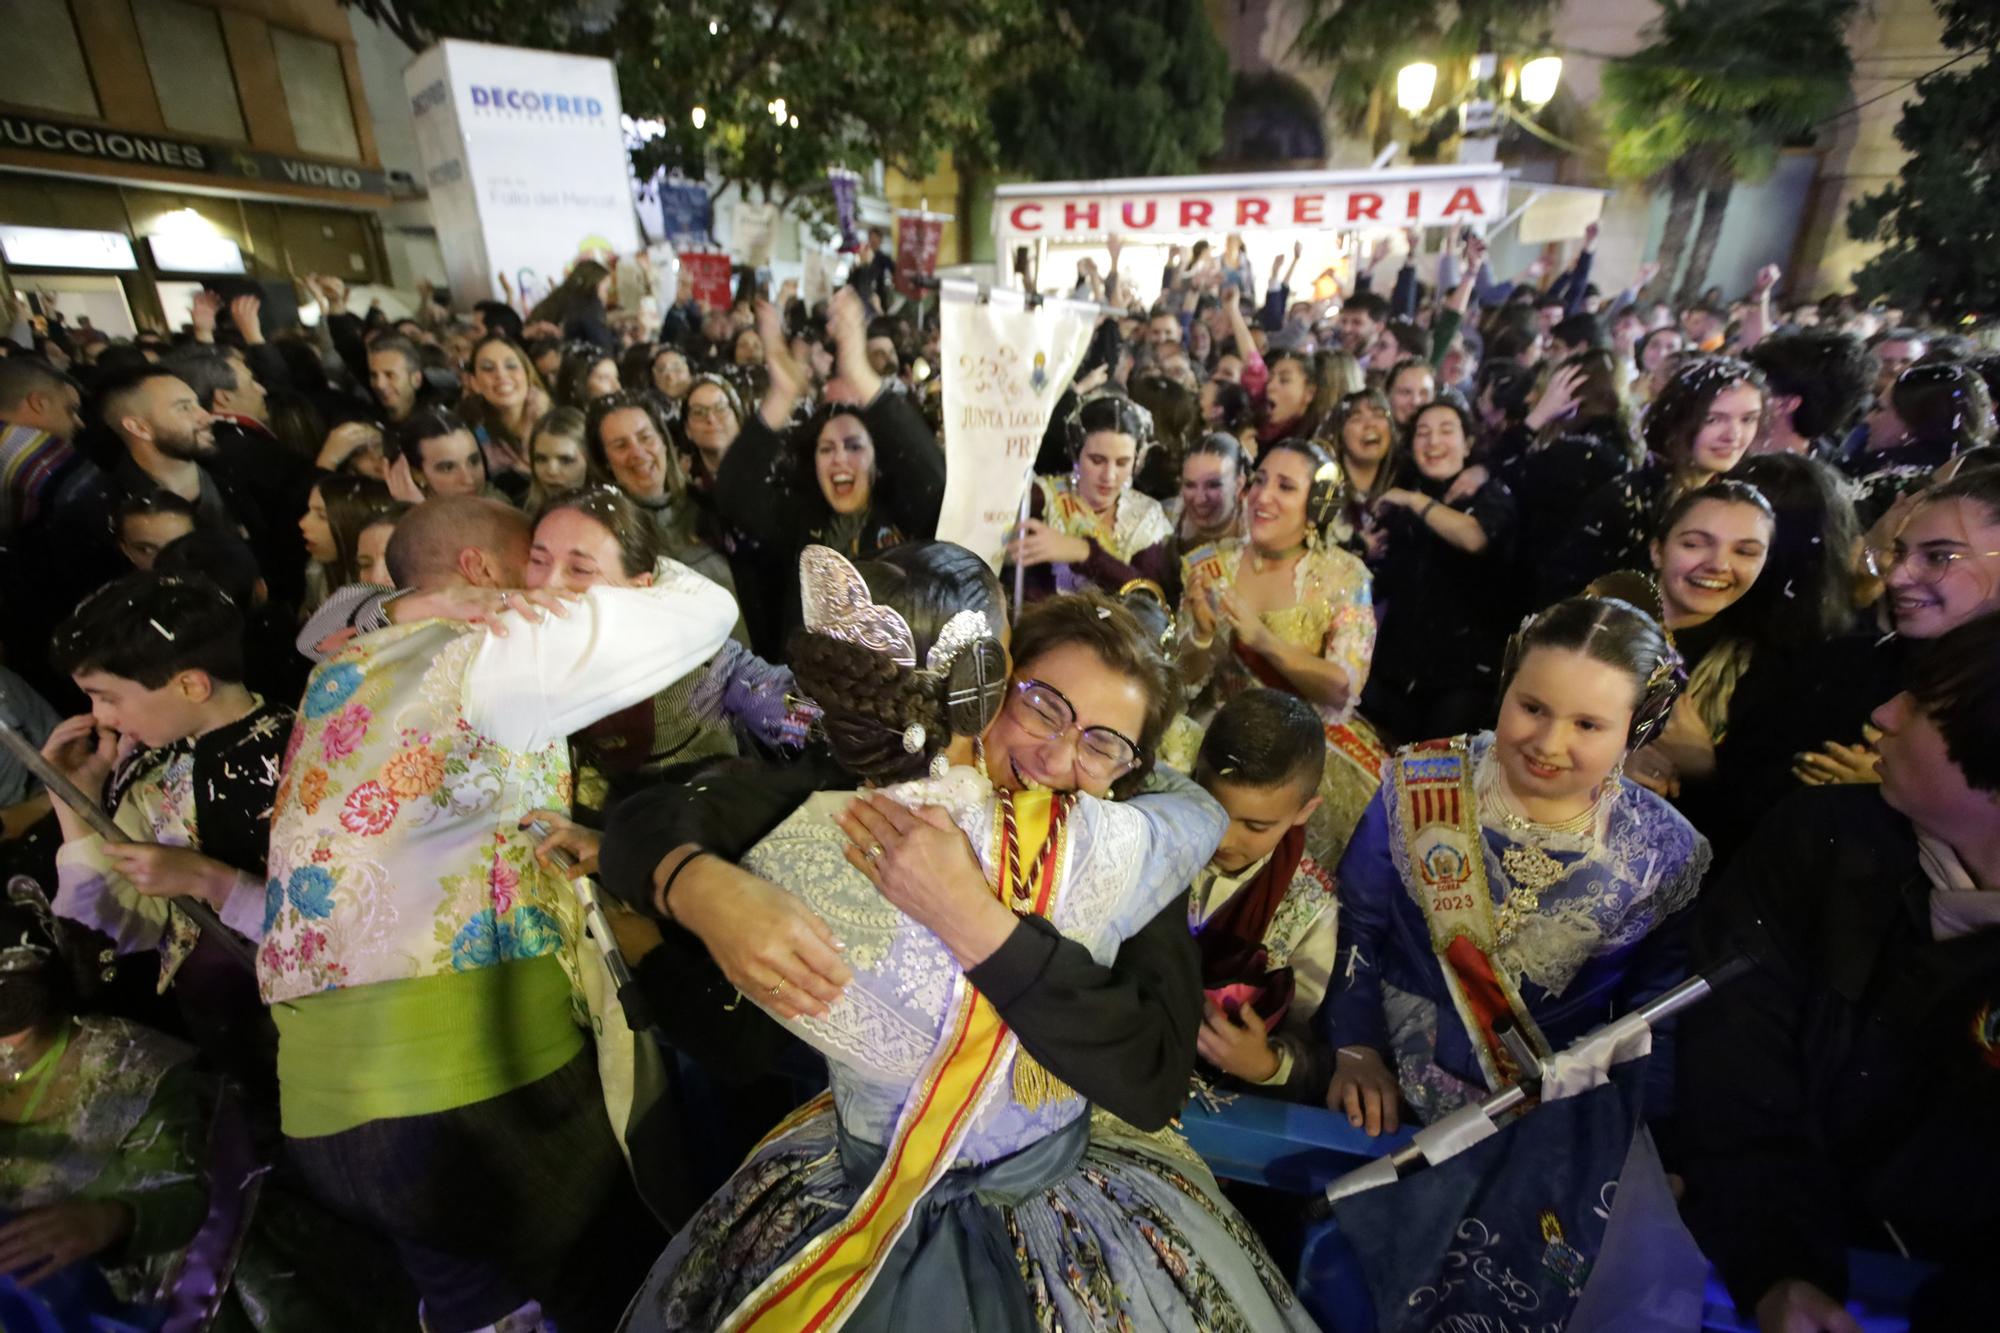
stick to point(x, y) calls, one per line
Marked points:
point(1005, 365)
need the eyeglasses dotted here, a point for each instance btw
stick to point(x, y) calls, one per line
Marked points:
point(1046, 714)
point(1928, 564)
point(711, 412)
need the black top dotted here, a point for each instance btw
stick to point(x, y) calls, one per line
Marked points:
point(1844, 1092)
point(763, 491)
point(1613, 530)
point(1123, 1036)
point(1551, 480)
point(1882, 476)
point(1443, 611)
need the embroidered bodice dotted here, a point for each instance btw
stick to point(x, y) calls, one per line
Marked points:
point(1141, 522)
point(1123, 862)
point(1638, 865)
point(1332, 615)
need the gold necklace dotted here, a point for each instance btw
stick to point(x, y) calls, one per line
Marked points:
point(1259, 562)
point(1529, 868)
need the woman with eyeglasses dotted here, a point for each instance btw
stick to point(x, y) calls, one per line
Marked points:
point(860, 474)
point(965, 974)
point(1287, 609)
point(1940, 570)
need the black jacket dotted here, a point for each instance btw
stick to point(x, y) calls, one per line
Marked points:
point(1122, 1036)
point(1845, 1092)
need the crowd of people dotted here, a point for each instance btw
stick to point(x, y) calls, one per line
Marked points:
point(1392, 677)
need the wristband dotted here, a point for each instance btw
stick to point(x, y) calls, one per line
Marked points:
point(660, 898)
point(1425, 512)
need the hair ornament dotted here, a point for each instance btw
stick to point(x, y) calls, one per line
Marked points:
point(940, 765)
point(913, 738)
point(1133, 419)
point(835, 600)
point(964, 629)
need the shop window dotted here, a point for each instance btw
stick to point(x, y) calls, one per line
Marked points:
point(56, 79)
point(316, 93)
point(190, 68)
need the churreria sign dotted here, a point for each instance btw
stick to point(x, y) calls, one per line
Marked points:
point(530, 101)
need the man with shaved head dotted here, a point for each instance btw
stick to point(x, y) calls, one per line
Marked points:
point(432, 1080)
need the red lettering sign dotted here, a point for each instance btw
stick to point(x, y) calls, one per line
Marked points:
point(1464, 198)
point(1306, 209)
point(1364, 204)
point(1072, 214)
point(1152, 206)
point(1416, 205)
point(1252, 212)
point(1195, 213)
point(1016, 220)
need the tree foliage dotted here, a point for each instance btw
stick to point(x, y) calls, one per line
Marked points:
point(1113, 88)
point(1725, 85)
point(1940, 220)
point(1364, 42)
point(892, 79)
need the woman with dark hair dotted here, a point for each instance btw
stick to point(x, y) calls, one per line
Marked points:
point(1440, 586)
point(336, 511)
point(627, 441)
point(1698, 428)
point(588, 373)
point(577, 307)
point(1513, 878)
point(1091, 528)
point(858, 478)
point(1363, 440)
point(504, 398)
point(1931, 414)
point(1293, 401)
point(595, 537)
point(958, 1156)
point(1209, 507)
point(1286, 608)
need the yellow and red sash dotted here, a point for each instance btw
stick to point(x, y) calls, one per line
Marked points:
point(1437, 814)
point(821, 1287)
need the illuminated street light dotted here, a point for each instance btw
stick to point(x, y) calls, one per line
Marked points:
point(699, 116)
point(1539, 78)
point(1415, 83)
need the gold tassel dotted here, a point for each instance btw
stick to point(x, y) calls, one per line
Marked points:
point(1034, 1086)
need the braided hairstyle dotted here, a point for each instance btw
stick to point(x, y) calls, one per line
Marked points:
point(1617, 633)
point(869, 702)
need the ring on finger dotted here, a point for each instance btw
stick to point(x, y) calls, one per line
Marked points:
point(781, 984)
point(874, 850)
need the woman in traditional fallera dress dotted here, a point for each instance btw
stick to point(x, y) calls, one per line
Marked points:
point(952, 1179)
point(1513, 876)
point(1090, 528)
point(1287, 609)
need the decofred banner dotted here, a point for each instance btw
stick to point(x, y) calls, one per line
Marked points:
point(1009, 363)
point(525, 157)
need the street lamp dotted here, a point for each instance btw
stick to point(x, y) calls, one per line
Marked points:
point(1539, 78)
point(1415, 83)
point(699, 116)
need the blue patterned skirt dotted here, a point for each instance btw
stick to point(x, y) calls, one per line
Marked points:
point(1097, 1227)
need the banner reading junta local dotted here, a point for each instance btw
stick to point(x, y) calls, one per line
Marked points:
point(1005, 365)
point(525, 161)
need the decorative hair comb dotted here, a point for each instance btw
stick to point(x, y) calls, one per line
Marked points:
point(836, 603)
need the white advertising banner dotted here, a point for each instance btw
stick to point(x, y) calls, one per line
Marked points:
point(524, 156)
point(1009, 363)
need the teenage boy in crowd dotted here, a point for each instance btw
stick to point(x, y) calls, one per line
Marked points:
point(1262, 911)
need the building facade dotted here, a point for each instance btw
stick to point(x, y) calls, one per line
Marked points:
point(150, 146)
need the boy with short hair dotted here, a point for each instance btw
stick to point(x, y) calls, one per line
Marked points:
point(1262, 912)
point(186, 759)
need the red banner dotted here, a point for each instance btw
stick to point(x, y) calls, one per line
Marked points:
point(918, 237)
point(708, 272)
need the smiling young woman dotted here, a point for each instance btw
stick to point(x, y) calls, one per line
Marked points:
point(1526, 849)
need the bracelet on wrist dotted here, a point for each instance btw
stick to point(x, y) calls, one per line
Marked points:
point(660, 898)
